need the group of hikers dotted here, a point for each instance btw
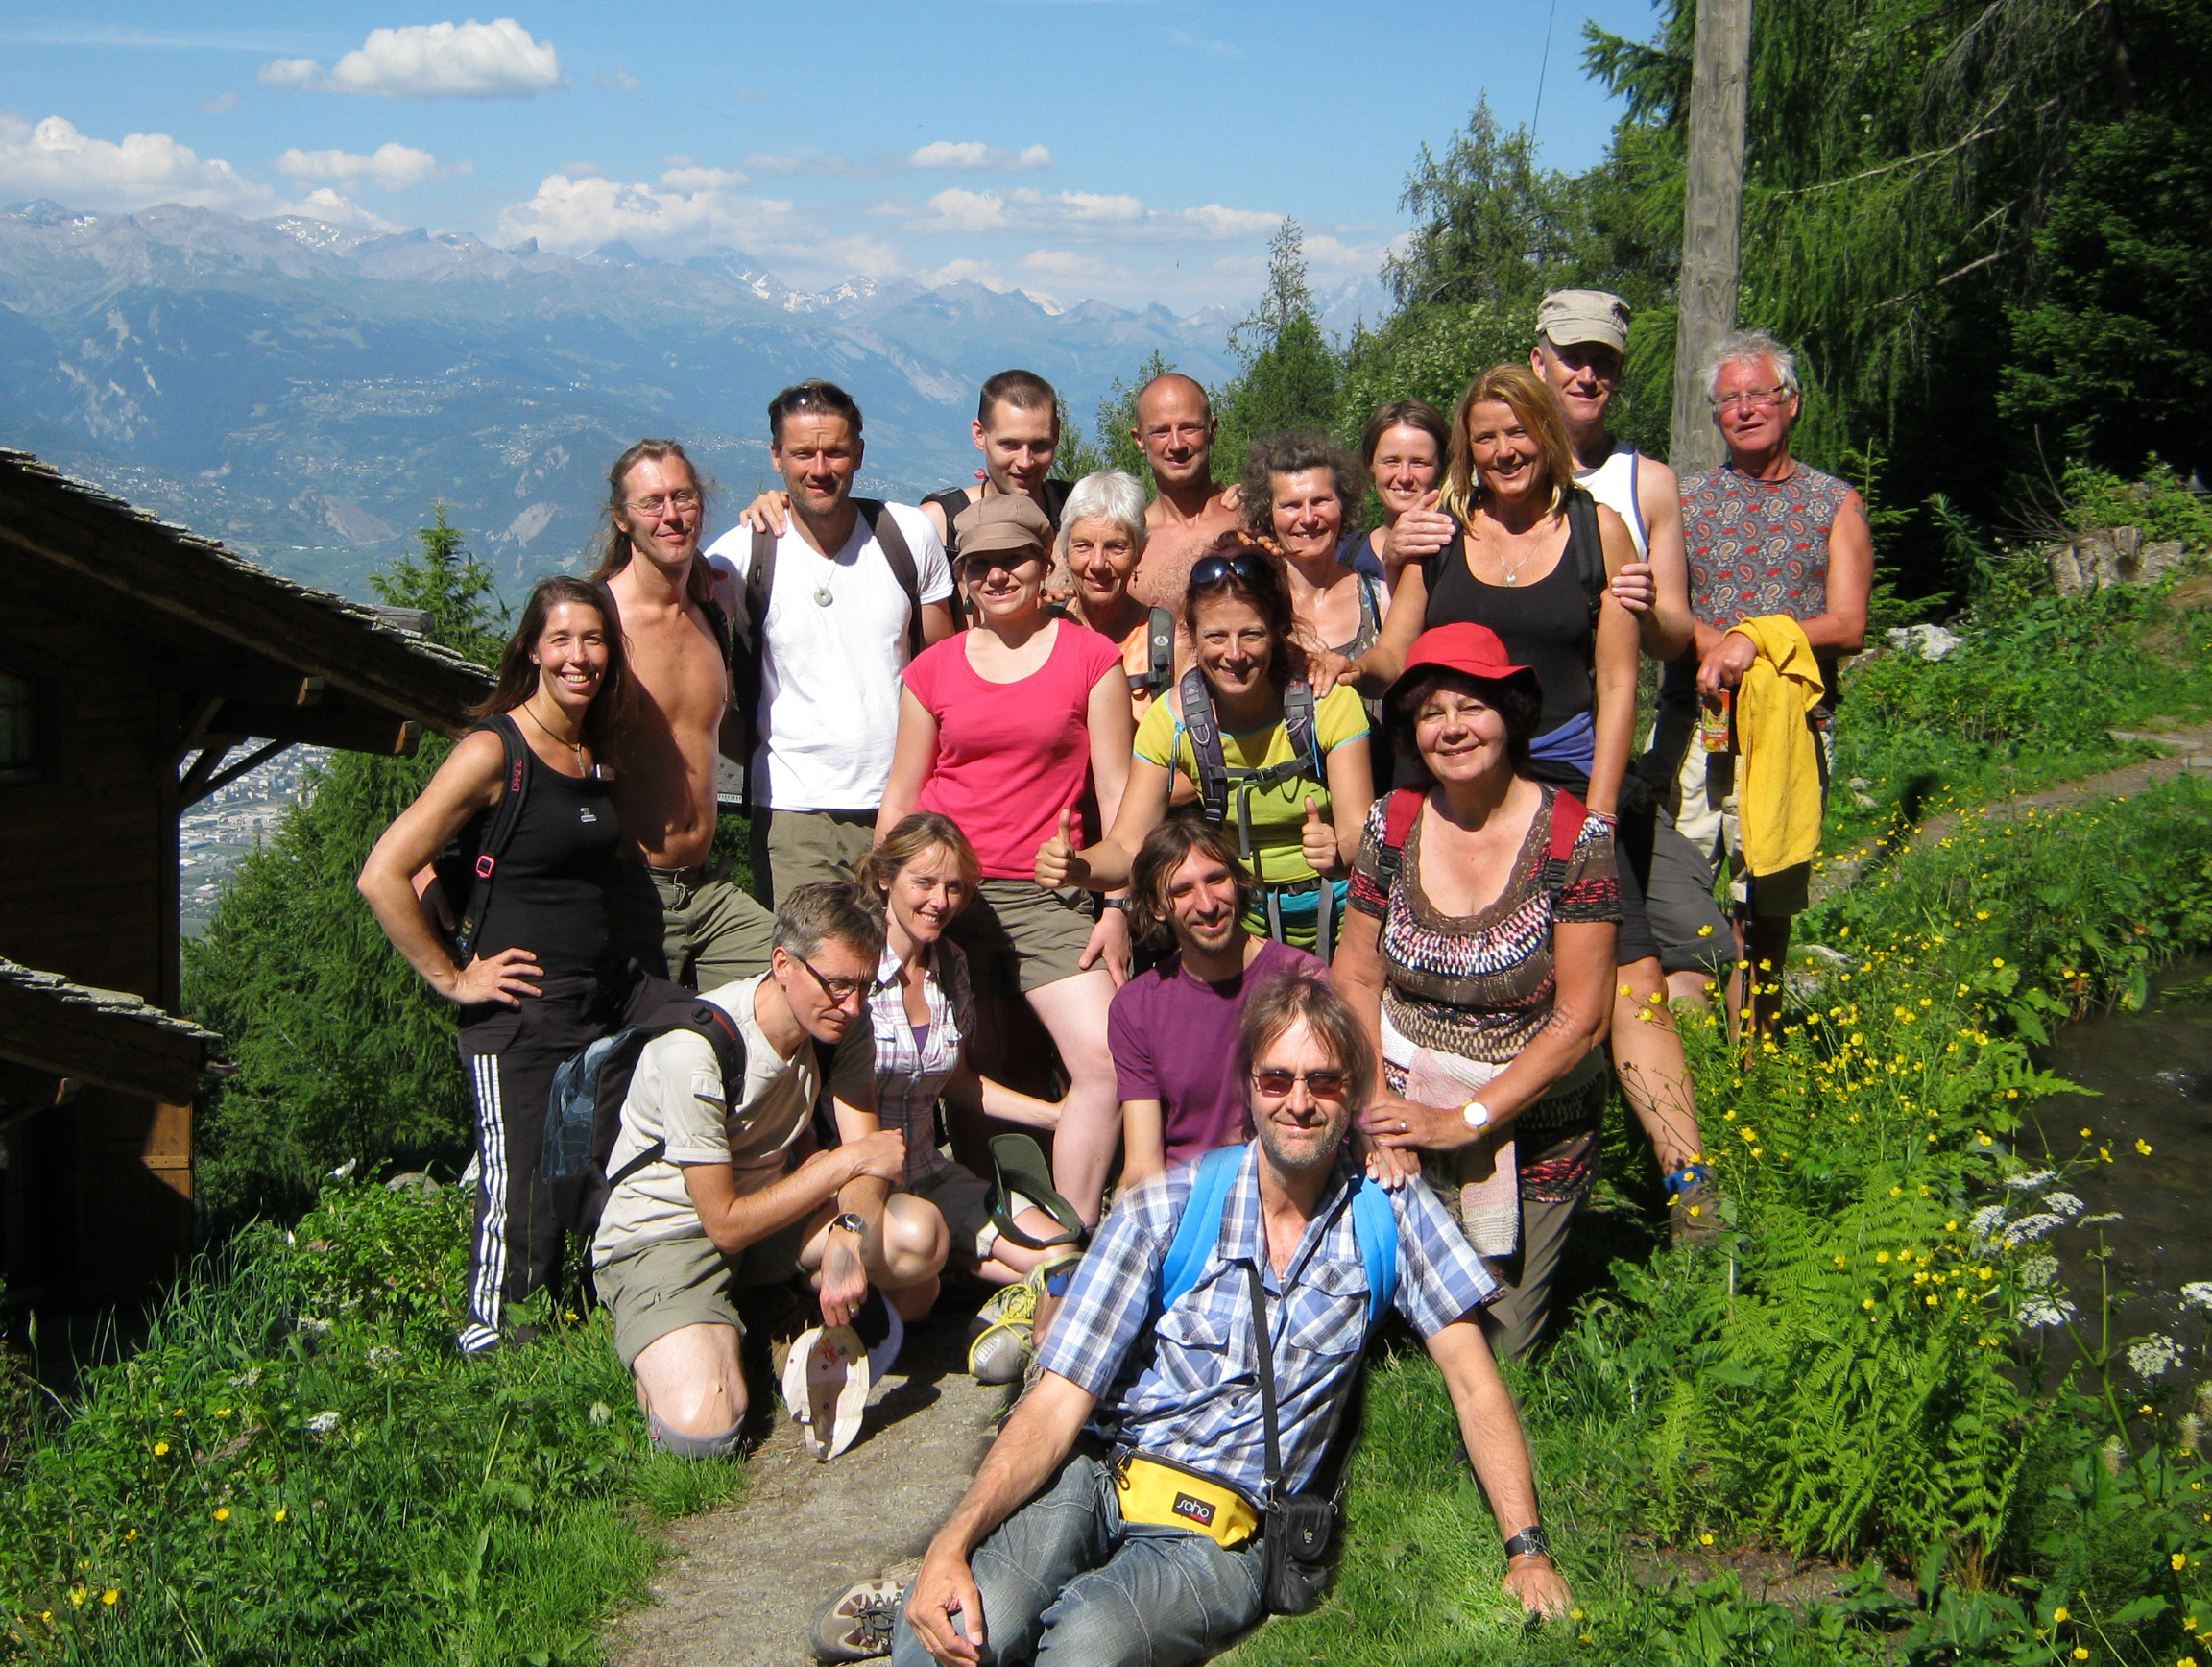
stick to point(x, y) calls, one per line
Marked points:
point(1304, 881)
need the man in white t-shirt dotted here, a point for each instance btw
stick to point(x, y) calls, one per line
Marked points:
point(854, 590)
point(730, 1192)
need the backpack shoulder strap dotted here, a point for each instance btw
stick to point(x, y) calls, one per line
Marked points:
point(1397, 828)
point(1567, 814)
point(1160, 649)
point(705, 1019)
point(1298, 719)
point(884, 528)
point(1588, 544)
point(1196, 702)
point(498, 829)
point(1198, 1228)
point(1375, 1225)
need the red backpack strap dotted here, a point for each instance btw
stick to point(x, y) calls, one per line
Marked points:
point(1397, 828)
point(1567, 814)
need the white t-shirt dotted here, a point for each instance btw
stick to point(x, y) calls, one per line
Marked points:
point(829, 680)
point(677, 1095)
point(1612, 483)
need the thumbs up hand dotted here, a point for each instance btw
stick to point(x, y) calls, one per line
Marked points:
point(1058, 862)
point(1318, 840)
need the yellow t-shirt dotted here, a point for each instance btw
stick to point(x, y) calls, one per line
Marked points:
point(1276, 813)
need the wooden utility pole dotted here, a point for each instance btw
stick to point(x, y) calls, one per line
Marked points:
point(1712, 220)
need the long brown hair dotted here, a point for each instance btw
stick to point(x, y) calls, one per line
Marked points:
point(1531, 400)
point(607, 716)
point(615, 550)
point(1165, 849)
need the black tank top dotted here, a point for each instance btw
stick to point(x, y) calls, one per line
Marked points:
point(1549, 626)
point(549, 894)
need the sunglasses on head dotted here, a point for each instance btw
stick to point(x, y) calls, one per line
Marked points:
point(1215, 570)
point(1277, 1084)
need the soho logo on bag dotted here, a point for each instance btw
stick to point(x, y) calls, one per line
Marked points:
point(1197, 1510)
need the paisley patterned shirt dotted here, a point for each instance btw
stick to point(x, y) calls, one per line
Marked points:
point(1759, 546)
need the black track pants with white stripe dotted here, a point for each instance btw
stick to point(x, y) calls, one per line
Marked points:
point(510, 1055)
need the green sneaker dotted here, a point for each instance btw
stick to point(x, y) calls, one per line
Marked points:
point(998, 1355)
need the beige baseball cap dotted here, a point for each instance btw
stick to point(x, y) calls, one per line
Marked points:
point(1567, 316)
point(1004, 522)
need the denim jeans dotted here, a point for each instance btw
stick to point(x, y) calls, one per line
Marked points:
point(1065, 1582)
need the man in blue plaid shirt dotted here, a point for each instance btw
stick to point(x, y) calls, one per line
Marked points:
point(1058, 1553)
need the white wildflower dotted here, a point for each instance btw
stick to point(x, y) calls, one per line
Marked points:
point(2198, 1294)
point(314, 1328)
point(2062, 1203)
point(2045, 1311)
point(2029, 1183)
point(2039, 1272)
point(383, 1355)
point(2154, 1356)
point(2029, 1227)
point(2099, 1220)
point(246, 1379)
point(1985, 1220)
point(323, 1424)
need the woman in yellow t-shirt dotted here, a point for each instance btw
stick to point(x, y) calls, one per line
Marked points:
point(1293, 781)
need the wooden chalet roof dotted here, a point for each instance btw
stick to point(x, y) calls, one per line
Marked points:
point(256, 654)
point(109, 1037)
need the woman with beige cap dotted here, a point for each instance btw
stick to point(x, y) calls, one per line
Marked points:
point(1015, 728)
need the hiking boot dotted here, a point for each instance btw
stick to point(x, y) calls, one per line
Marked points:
point(1691, 1206)
point(856, 1624)
point(999, 1353)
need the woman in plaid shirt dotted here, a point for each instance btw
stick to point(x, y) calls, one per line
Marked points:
point(924, 1013)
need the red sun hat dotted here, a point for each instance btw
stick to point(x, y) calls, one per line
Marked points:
point(1470, 649)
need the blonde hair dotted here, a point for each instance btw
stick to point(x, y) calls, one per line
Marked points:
point(1531, 400)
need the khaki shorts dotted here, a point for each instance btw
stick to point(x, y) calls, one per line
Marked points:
point(1019, 938)
point(965, 1203)
point(792, 847)
point(691, 926)
point(666, 1285)
point(1710, 821)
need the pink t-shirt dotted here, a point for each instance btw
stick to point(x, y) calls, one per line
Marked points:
point(1011, 756)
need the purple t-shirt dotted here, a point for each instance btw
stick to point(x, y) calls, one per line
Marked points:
point(1174, 1040)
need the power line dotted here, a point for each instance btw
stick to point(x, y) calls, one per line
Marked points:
point(1543, 69)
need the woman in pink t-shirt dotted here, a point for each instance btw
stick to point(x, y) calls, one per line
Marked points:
point(1013, 729)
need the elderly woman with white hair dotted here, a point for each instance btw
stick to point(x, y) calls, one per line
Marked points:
point(1101, 540)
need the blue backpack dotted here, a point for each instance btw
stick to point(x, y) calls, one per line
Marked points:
point(1198, 1230)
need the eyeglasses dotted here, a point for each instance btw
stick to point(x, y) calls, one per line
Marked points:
point(1763, 397)
point(1276, 1084)
point(840, 990)
point(682, 498)
point(1215, 570)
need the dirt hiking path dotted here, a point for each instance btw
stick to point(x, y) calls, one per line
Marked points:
point(747, 1580)
point(2187, 750)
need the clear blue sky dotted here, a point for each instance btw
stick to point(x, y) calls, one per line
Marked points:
point(1134, 150)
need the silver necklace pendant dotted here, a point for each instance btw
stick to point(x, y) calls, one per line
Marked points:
point(822, 596)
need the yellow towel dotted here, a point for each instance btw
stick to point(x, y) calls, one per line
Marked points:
point(1778, 774)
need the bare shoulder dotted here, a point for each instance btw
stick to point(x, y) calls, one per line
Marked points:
point(1655, 478)
point(474, 768)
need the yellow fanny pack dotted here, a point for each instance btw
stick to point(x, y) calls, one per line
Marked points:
point(1160, 1493)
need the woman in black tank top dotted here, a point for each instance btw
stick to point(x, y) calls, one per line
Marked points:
point(526, 792)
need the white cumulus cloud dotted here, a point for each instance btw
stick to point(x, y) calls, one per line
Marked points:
point(684, 177)
point(393, 166)
point(52, 159)
point(582, 213)
point(471, 59)
point(1080, 213)
point(980, 157)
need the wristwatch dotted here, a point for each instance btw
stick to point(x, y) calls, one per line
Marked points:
point(1477, 1114)
point(1531, 1541)
point(1116, 902)
point(853, 1223)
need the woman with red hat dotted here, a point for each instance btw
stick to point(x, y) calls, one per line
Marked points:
point(1478, 949)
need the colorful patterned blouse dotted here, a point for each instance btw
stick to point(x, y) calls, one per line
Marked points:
point(1757, 547)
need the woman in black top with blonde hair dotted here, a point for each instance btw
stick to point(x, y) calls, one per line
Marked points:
point(536, 984)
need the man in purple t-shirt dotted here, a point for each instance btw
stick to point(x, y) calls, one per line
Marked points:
point(1173, 1029)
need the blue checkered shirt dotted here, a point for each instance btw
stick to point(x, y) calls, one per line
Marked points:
point(1185, 1385)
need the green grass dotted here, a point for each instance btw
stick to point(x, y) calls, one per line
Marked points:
point(298, 1468)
